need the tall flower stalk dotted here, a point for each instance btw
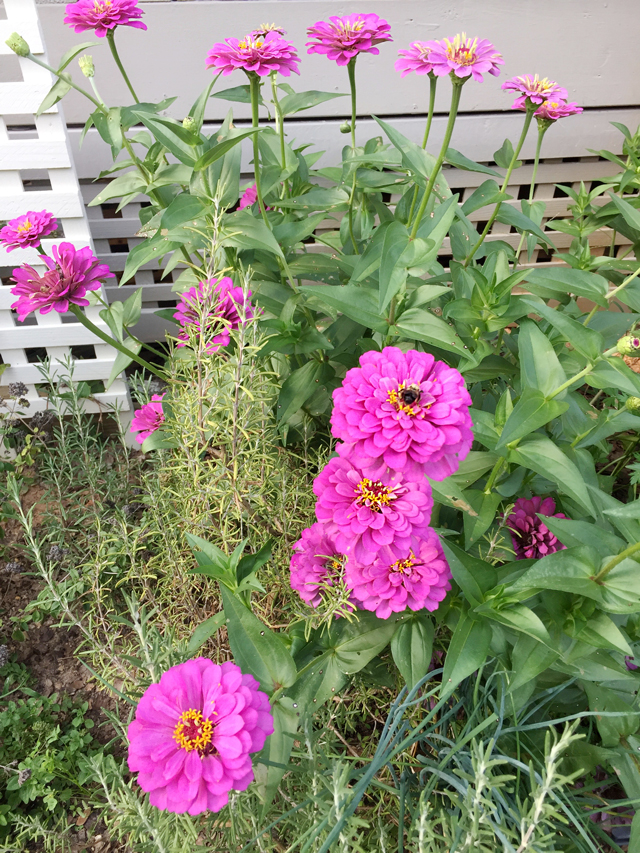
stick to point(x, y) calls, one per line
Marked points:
point(351, 68)
point(279, 127)
point(542, 129)
point(114, 52)
point(254, 88)
point(433, 83)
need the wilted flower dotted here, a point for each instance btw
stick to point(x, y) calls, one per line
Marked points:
point(24, 775)
point(416, 58)
point(553, 110)
point(4, 655)
point(18, 389)
point(27, 230)
point(390, 585)
point(70, 274)
point(404, 411)
point(103, 15)
point(193, 733)
point(315, 563)
point(255, 54)
point(148, 418)
point(531, 538)
point(364, 515)
point(13, 567)
point(343, 38)
point(212, 310)
point(464, 57)
point(533, 89)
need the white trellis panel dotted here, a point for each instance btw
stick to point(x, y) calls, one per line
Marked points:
point(23, 162)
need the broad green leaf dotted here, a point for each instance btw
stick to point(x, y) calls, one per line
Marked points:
point(205, 630)
point(214, 153)
point(600, 631)
point(486, 193)
point(473, 576)
point(628, 527)
point(629, 213)
point(115, 131)
point(319, 198)
point(421, 325)
point(71, 54)
point(504, 155)
point(485, 506)
point(357, 642)
point(574, 533)
point(299, 101)
point(272, 761)
point(132, 308)
point(539, 364)
point(158, 440)
point(55, 93)
point(113, 317)
point(300, 386)
point(569, 570)
point(143, 253)
point(170, 134)
point(529, 658)
point(176, 173)
point(630, 510)
point(131, 182)
point(586, 341)
point(290, 233)
point(467, 652)
point(621, 587)
point(614, 373)
point(246, 232)
point(356, 302)
point(518, 618)
point(414, 158)
point(511, 216)
point(455, 158)
point(183, 208)
point(314, 266)
point(369, 261)
point(237, 94)
point(612, 729)
point(531, 412)
point(562, 280)
point(411, 647)
point(319, 681)
point(396, 240)
point(122, 361)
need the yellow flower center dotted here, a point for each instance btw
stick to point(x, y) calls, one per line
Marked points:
point(103, 6)
point(535, 84)
point(193, 731)
point(405, 566)
point(350, 28)
point(462, 49)
point(374, 494)
point(26, 226)
point(249, 44)
point(406, 398)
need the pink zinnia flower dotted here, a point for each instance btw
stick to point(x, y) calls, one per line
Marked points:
point(390, 585)
point(416, 58)
point(531, 538)
point(405, 411)
point(148, 419)
point(103, 15)
point(462, 56)
point(343, 38)
point(248, 197)
point(555, 109)
point(70, 274)
point(211, 310)
point(315, 563)
point(364, 515)
point(255, 53)
point(533, 89)
point(25, 231)
point(193, 733)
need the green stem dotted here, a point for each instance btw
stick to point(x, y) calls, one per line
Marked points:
point(527, 123)
point(114, 52)
point(611, 294)
point(279, 128)
point(433, 82)
point(254, 87)
point(351, 68)
point(453, 112)
point(632, 549)
point(542, 129)
point(82, 91)
point(497, 470)
point(579, 375)
point(78, 312)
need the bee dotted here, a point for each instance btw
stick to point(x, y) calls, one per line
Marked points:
point(410, 395)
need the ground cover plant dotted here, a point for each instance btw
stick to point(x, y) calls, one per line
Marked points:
point(373, 584)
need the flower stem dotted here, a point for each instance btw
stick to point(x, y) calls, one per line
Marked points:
point(254, 88)
point(114, 51)
point(542, 129)
point(496, 471)
point(604, 571)
point(351, 68)
point(279, 128)
point(611, 294)
point(527, 123)
point(453, 112)
point(584, 372)
point(433, 82)
point(73, 85)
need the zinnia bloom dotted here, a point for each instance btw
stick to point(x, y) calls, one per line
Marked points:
point(464, 57)
point(416, 58)
point(404, 411)
point(103, 15)
point(211, 310)
point(531, 538)
point(193, 734)
point(255, 53)
point(390, 585)
point(148, 419)
point(364, 515)
point(70, 274)
point(555, 109)
point(248, 197)
point(25, 231)
point(343, 38)
point(315, 563)
point(533, 89)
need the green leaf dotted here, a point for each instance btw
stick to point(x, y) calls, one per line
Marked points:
point(529, 658)
point(289, 233)
point(113, 317)
point(272, 761)
point(205, 630)
point(55, 93)
point(176, 173)
point(421, 325)
point(561, 280)
point(584, 340)
point(132, 308)
point(143, 253)
point(614, 373)
point(467, 652)
point(71, 54)
point(569, 570)
point(621, 587)
point(519, 618)
point(600, 631)
point(359, 303)
point(473, 576)
point(414, 158)
point(511, 216)
point(212, 154)
point(314, 266)
point(237, 94)
point(539, 364)
point(485, 507)
point(629, 213)
point(396, 240)
point(531, 412)
point(300, 386)
point(574, 533)
point(184, 208)
point(170, 134)
point(359, 640)
point(504, 155)
point(131, 182)
point(256, 648)
point(122, 361)
point(244, 231)
point(319, 198)
point(299, 101)
point(486, 193)
point(411, 647)
point(630, 510)
point(158, 440)
point(611, 729)
point(461, 162)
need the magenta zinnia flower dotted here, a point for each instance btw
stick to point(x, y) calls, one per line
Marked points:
point(555, 109)
point(404, 411)
point(464, 57)
point(148, 419)
point(390, 585)
point(25, 231)
point(103, 15)
point(416, 58)
point(211, 311)
point(533, 89)
point(248, 197)
point(315, 563)
point(70, 274)
point(193, 734)
point(257, 54)
point(364, 514)
point(343, 38)
point(531, 538)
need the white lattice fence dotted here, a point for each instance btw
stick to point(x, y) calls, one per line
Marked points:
point(38, 173)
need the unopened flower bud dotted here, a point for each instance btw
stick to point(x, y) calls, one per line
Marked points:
point(18, 44)
point(189, 123)
point(633, 405)
point(629, 345)
point(345, 127)
point(86, 65)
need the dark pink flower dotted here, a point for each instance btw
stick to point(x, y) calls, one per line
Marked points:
point(531, 538)
point(248, 197)
point(315, 563)
point(70, 274)
point(25, 231)
point(464, 57)
point(555, 109)
point(405, 411)
point(193, 733)
point(148, 419)
point(255, 53)
point(628, 660)
point(343, 38)
point(103, 15)
point(209, 313)
point(416, 58)
point(533, 89)
point(364, 515)
point(391, 585)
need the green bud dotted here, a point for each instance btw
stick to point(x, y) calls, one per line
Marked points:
point(189, 123)
point(18, 44)
point(633, 405)
point(345, 127)
point(86, 65)
point(629, 345)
